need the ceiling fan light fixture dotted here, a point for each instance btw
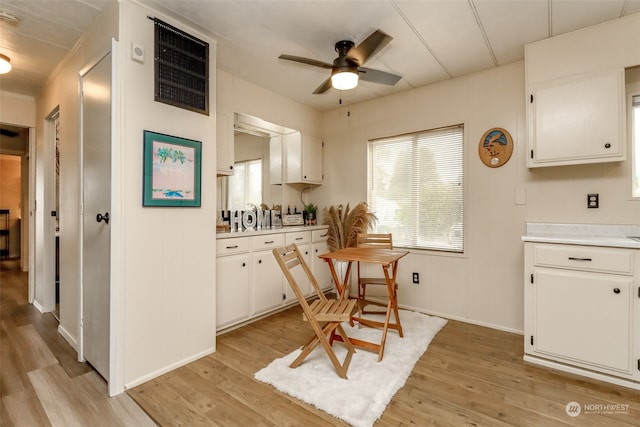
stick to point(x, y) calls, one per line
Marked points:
point(5, 64)
point(344, 79)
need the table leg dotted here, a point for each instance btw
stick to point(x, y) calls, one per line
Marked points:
point(341, 285)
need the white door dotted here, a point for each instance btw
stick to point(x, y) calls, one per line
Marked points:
point(96, 240)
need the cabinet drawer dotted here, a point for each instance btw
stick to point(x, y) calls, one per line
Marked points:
point(269, 241)
point(319, 235)
point(232, 246)
point(586, 258)
point(299, 238)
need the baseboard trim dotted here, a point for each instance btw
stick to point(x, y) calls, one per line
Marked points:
point(463, 319)
point(38, 306)
point(582, 372)
point(67, 336)
point(164, 370)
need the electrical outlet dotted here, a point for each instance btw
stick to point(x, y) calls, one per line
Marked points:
point(593, 201)
point(416, 278)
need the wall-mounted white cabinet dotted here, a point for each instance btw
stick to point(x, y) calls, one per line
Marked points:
point(582, 310)
point(224, 144)
point(302, 158)
point(577, 120)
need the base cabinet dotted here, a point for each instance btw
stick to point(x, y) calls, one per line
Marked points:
point(581, 308)
point(232, 279)
point(266, 276)
point(319, 267)
point(249, 281)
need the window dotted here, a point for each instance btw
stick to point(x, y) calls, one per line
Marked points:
point(635, 137)
point(245, 185)
point(416, 188)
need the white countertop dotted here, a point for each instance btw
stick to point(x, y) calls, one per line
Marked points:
point(284, 229)
point(612, 235)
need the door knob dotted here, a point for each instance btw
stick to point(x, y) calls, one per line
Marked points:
point(104, 218)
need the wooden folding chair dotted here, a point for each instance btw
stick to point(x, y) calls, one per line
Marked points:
point(324, 315)
point(375, 241)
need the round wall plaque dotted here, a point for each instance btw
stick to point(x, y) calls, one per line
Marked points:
point(495, 147)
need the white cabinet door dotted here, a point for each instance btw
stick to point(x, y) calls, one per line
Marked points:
point(301, 277)
point(583, 317)
point(577, 120)
point(232, 289)
point(302, 158)
point(311, 160)
point(319, 266)
point(267, 282)
point(224, 144)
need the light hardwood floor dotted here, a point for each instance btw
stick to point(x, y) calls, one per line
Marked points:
point(41, 381)
point(469, 375)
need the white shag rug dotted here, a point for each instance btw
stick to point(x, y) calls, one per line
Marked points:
point(361, 399)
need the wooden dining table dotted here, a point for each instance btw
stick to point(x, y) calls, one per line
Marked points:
point(388, 260)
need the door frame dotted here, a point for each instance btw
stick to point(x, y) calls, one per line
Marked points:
point(116, 327)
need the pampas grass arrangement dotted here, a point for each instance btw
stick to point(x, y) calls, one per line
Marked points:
point(345, 224)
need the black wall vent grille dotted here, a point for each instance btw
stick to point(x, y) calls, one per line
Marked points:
point(181, 69)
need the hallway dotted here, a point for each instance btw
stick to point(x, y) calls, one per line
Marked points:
point(41, 382)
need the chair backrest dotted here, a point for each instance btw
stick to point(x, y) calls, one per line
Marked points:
point(380, 241)
point(289, 257)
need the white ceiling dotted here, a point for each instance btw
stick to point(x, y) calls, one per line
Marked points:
point(433, 39)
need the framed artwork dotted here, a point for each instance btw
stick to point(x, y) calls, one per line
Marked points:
point(172, 171)
point(495, 147)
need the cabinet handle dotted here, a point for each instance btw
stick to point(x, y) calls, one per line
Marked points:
point(607, 145)
point(269, 242)
point(244, 264)
point(299, 238)
point(259, 261)
point(616, 290)
point(579, 259)
point(232, 247)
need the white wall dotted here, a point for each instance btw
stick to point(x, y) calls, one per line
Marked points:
point(61, 92)
point(167, 254)
point(485, 284)
point(18, 110)
point(236, 95)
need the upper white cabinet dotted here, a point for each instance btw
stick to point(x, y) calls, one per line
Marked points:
point(302, 157)
point(579, 119)
point(224, 144)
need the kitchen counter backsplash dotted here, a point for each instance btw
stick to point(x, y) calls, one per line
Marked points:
point(614, 235)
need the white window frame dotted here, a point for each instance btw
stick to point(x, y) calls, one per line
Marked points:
point(443, 146)
point(246, 192)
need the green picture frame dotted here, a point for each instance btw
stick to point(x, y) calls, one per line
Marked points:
point(172, 171)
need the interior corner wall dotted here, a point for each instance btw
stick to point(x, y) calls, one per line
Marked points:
point(483, 285)
point(61, 91)
point(167, 253)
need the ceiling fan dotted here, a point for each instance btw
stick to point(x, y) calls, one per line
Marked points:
point(347, 67)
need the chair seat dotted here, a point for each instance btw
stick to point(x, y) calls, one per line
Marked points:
point(332, 310)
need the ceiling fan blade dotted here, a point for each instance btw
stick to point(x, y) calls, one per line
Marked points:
point(377, 76)
point(369, 47)
point(307, 61)
point(325, 86)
